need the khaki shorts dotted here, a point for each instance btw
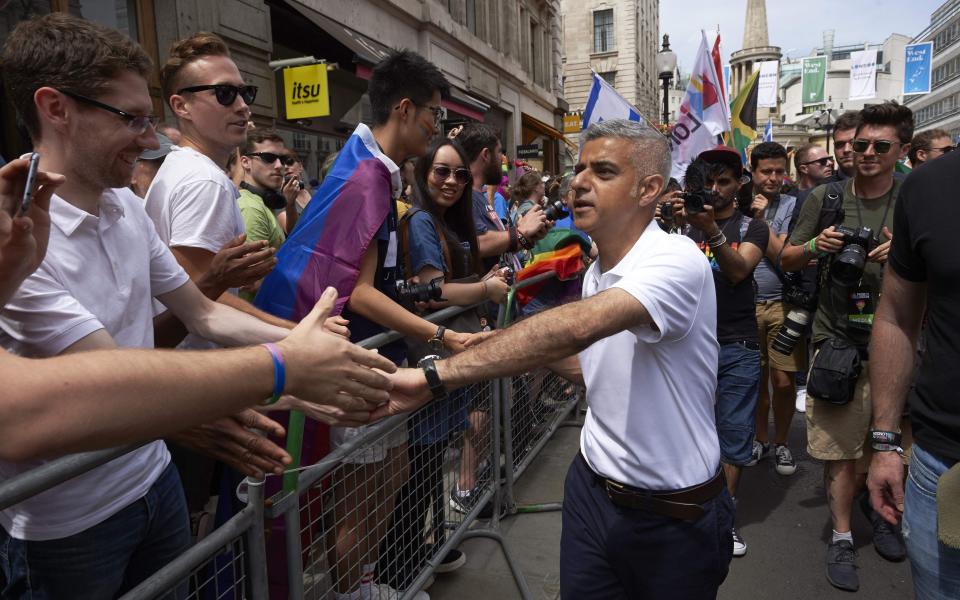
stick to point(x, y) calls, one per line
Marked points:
point(840, 432)
point(770, 316)
point(906, 442)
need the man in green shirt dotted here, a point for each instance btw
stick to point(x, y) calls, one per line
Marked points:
point(263, 190)
point(836, 433)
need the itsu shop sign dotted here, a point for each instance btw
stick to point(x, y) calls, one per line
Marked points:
point(305, 92)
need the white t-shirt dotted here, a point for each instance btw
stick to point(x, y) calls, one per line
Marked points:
point(99, 273)
point(650, 391)
point(193, 203)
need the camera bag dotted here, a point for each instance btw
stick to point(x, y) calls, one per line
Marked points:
point(835, 370)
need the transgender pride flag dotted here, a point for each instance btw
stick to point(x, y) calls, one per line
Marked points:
point(333, 233)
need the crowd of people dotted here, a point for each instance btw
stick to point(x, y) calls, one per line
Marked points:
point(691, 330)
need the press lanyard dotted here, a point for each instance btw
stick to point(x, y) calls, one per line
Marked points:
point(886, 211)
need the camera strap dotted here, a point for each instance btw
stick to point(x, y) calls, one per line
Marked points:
point(886, 211)
point(404, 233)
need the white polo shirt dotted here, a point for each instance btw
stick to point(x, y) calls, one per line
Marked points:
point(650, 391)
point(99, 273)
point(193, 203)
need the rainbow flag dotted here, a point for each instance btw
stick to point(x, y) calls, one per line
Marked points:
point(333, 233)
point(565, 261)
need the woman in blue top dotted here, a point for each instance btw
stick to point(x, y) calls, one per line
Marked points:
point(439, 240)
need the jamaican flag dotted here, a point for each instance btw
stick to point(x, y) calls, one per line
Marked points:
point(743, 117)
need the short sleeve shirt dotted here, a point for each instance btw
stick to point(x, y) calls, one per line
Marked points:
point(736, 315)
point(779, 215)
point(650, 390)
point(847, 311)
point(924, 251)
point(100, 272)
point(259, 221)
point(424, 243)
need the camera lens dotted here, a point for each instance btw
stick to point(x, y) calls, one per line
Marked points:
point(793, 328)
point(847, 268)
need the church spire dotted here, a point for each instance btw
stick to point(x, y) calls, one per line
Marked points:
point(755, 25)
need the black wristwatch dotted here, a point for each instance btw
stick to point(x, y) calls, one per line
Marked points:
point(886, 441)
point(427, 363)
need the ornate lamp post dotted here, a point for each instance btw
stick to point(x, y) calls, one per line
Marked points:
point(666, 63)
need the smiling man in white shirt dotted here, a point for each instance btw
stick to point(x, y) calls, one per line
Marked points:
point(645, 513)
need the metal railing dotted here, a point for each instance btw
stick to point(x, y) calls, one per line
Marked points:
point(397, 498)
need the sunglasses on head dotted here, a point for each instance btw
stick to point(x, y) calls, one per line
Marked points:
point(226, 93)
point(879, 146)
point(270, 158)
point(820, 161)
point(461, 175)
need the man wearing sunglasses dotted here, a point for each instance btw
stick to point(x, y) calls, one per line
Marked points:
point(928, 145)
point(838, 433)
point(814, 166)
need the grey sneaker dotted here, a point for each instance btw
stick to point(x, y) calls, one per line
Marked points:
point(842, 566)
point(785, 463)
point(887, 538)
point(759, 452)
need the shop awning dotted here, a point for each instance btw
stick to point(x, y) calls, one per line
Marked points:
point(544, 129)
point(367, 51)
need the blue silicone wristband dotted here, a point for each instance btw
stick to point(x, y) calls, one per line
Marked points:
point(279, 372)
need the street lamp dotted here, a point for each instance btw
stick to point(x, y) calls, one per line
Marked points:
point(666, 64)
point(828, 125)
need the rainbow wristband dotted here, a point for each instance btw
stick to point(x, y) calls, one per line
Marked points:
point(279, 372)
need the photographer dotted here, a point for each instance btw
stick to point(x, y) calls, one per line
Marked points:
point(734, 244)
point(847, 225)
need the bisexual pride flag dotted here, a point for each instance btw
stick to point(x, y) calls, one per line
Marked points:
point(334, 231)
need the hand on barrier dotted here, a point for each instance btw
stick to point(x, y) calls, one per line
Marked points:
point(880, 253)
point(230, 440)
point(885, 482)
point(497, 288)
point(410, 392)
point(454, 341)
point(352, 412)
point(326, 369)
point(239, 264)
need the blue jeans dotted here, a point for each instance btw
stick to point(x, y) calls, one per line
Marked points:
point(738, 388)
point(608, 552)
point(935, 567)
point(107, 559)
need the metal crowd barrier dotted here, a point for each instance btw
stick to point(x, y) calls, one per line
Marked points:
point(399, 494)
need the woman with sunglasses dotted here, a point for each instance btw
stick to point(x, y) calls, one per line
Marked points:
point(439, 242)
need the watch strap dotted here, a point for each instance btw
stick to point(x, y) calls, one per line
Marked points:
point(428, 364)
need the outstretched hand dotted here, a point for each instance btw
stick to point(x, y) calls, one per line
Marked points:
point(410, 392)
point(232, 440)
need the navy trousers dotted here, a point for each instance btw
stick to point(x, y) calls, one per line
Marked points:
point(610, 552)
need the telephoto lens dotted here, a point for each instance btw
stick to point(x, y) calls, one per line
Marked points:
point(793, 328)
point(409, 294)
point(555, 211)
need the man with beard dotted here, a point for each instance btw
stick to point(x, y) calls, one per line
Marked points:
point(734, 243)
point(483, 149)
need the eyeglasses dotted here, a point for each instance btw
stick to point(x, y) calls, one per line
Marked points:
point(226, 93)
point(136, 123)
point(820, 161)
point(461, 175)
point(879, 146)
point(945, 149)
point(436, 110)
point(270, 158)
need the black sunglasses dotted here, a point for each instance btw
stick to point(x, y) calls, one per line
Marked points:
point(461, 175)
point(226, 93)
point(820, 161)
point(879, 146)
point(136, 123)
point(945, 149)
point(270, 158)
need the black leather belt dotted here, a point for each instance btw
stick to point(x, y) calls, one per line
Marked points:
point(685, 504)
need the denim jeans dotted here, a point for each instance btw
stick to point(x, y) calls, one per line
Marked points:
point(105, 560)
point(935, 567)
point(738, 388)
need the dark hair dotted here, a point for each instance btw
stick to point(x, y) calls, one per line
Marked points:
point(766, 151)
point(187, 51)
point(475, 137)
point(697, 173)
point(66, 53)
point(258, 136)
point(800, 156)
point(403, 74)
point(458, 219)
point(848, 120)
point(890, 114)
point(924, 141)
point(526, 185)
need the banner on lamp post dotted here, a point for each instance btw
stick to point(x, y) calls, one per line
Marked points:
point(863, 75)
point(767, 91)
point(917, 68)
point(813, 79)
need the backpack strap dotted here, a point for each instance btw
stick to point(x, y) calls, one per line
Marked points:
point(832, 209)
point(403, 230)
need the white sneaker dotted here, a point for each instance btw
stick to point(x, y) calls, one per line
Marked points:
point(785, 463)
point(382, 591)
point(758, 453)
point(802, 399)
point(739, 546)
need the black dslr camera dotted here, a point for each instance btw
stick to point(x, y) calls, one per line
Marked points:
point(696, 195)
point(408, 294)
point(555, 210)
point(847, 267)
point(802, 306)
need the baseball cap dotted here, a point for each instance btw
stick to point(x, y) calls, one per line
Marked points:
point(724, 155)
point(166, 145)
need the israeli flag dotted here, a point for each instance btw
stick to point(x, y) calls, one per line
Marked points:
point(605, 103)
point(768, 131)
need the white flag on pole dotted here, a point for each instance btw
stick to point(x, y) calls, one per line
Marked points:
point(605, 103)
point(863, 74)
point(767, 84)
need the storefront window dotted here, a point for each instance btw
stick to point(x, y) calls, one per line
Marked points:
point(119, 14)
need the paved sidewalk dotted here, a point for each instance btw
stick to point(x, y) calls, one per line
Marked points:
point(784, 521)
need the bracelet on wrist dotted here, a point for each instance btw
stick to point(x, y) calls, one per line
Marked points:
point(514, 240)
point(716, 242)
point(279, 372)
point(524, 242)
point(812, 246)
point(484, 283)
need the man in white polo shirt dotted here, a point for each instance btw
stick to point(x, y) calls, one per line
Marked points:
point(646, 513)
